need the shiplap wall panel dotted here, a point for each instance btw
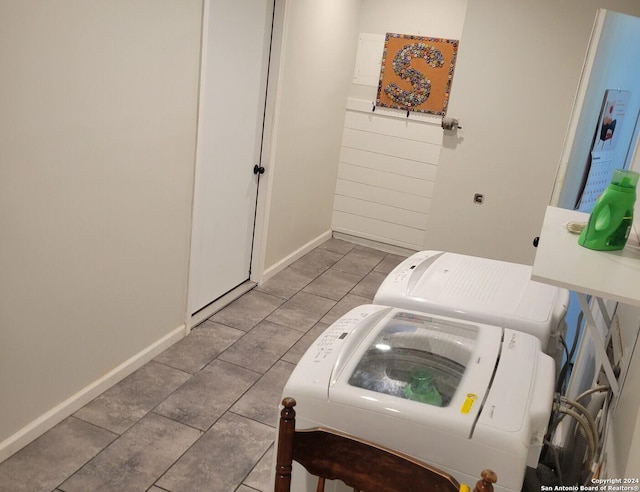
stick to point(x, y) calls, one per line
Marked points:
point(391, 145)
point(383, 196)
point(362, 106)
point(394, 127)
point(406, 237)
point(387, 171)
point(379, 211)
point(379, 162)
point(387, 180)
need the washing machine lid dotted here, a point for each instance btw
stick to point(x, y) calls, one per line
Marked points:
point(489, 291)
point(425, 369)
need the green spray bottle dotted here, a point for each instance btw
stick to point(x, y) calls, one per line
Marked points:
point(612, 215)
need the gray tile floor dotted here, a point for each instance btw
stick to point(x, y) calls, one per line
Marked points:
point(201, 416)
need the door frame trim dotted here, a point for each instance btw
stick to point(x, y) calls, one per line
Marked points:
point(270, 131)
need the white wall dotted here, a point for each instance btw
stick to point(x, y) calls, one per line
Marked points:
point(97, 139)
point(318, 53)
point(433, 18)
point(518, 70)
point(611, 68)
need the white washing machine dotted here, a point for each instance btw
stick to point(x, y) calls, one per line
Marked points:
point(479, 289)
point(462, 396)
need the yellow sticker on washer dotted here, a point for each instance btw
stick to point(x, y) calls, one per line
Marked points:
point(468, 403)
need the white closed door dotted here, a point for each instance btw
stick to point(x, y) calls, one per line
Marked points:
point(235, 57)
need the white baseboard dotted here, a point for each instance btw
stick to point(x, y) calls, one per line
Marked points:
point(405, 250)
point(58, 413)
point(299, 253)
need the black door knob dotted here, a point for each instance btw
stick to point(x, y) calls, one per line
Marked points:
point(258, 169)
point(536, 240)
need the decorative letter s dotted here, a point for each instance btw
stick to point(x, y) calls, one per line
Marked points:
point(421, 84)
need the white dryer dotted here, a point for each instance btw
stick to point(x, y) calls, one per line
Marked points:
point(479, 289)
point(462, 396)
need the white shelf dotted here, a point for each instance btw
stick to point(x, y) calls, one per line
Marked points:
point(613, 275)
point(561, 261)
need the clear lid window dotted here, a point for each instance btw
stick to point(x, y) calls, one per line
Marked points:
point(417, 358)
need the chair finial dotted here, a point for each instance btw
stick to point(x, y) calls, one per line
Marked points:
point(288, 402)
point(488, 478)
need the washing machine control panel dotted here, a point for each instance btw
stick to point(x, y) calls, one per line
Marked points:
point(330, 341)
point(407, 273)
point(327, 355)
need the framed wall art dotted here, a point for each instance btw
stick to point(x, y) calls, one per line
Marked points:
point(416, 73)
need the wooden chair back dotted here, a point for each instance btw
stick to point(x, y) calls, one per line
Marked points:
point(360, 464)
